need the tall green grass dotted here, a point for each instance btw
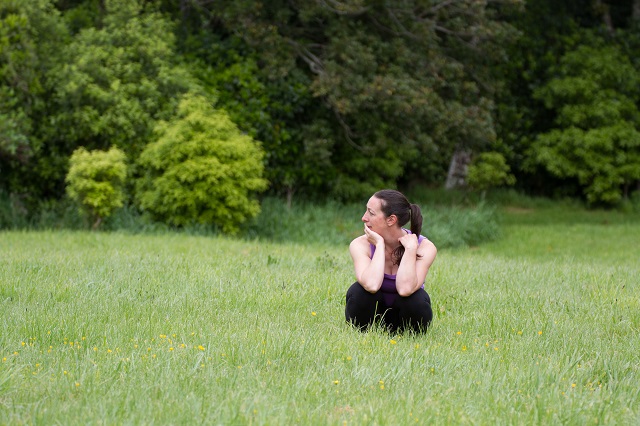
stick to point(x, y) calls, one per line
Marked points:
point(538, 327)
point(303, 222)
point(338, 224)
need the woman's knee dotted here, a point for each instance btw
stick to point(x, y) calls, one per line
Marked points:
point(418, 303)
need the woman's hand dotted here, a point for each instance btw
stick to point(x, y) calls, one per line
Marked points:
point(409, 241)
point(373, 237)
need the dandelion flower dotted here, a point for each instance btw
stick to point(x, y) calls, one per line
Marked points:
point(202, 348)
point(336, 382)
point(393, 342)
point(540, 332)
point(573, 385)
point(313, 313)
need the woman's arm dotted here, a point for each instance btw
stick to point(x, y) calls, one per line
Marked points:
point(369, 272)
point(415, 264)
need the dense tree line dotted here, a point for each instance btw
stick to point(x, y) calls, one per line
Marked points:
point(339, 98)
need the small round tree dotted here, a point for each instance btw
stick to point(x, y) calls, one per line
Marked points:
point(201, 169)
point(95, 181)
point(489, 170)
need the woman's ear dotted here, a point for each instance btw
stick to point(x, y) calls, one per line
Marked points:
point(392, 220)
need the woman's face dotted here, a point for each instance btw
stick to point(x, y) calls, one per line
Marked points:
point(373, 217)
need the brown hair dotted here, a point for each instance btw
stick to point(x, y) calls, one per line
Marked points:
point(395, 203)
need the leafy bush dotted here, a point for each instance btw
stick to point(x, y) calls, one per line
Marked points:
point(95, 181)
point(596, 138)
point(488, 170)
point(201, 170)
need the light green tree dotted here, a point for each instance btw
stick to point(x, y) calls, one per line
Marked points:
point(117, 80)
point(95, 181)
point(489, 170)
point(201, 169)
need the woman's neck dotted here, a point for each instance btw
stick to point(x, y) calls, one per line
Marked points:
point(391, 241)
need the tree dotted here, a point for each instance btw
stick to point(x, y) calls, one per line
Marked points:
point(596, 138)
point(119, 79)
point(31, 35)
point(270, 111)
point(397, 86)
point(489, 170)
point(201, 169)
point(95, 181)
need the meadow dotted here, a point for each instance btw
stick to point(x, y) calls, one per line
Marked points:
point(539, 326)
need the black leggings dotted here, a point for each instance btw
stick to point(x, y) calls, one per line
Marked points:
point(411, 312)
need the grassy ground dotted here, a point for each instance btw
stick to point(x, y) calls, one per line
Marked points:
point(538, 327)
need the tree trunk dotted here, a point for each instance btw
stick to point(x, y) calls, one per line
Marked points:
point(290, 191)
point(635, 14)
point(458, 167)
point(603, 9)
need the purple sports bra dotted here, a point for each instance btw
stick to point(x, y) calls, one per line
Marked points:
point(388, 287)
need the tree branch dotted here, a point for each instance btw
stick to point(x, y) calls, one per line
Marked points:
point(343, 9)
point(315, 63)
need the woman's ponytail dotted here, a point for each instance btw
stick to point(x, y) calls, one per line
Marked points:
point(416, 220)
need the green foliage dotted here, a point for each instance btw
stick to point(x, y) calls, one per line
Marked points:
point(117, 80)
point(397, 86)
point(269, 110)
point(597, 136)
point(31, 33)
point(488, 170)
point(201, 169)
point(96, 180)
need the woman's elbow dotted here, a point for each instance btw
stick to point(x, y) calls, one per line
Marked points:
point(405, 292)
point(371, 288)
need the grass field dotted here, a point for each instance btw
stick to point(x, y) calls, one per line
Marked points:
point(538, 327)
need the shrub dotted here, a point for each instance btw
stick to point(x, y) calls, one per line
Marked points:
point(489, 170)
point(201, 170)
point(95, 181)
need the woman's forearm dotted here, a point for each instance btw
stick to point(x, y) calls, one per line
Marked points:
point(406, 277)
point(371, 278)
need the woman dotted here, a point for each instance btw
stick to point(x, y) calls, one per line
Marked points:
point(391, 264)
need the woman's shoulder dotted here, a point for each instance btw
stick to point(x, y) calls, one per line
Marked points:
point(360, 242)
